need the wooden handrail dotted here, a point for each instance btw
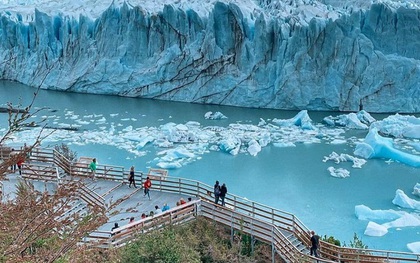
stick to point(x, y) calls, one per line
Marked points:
point(90, 196)
point(126, 233)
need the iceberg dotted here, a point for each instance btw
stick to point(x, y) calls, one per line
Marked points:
point(376, 146)
point(214, 116)
point(365, 213)
point(402, 200)
point(416, 190)
point(337, 158)
point(375, 230)
point(360, 121)
point(414, 247)
point(339, 172)
point(301, 119)
point(399, 126)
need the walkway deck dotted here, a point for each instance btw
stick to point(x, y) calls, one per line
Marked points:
point(133, 204)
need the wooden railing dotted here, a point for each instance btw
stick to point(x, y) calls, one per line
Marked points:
point(260, 218)
point(90, 196)
point(120, 236)
point(62, 162)
point(39, 154)
point(5, 152)
point(40, 172)
point(1, 191)
point(107, 172)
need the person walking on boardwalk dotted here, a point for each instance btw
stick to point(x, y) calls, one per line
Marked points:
point(216, 192)
point(314, 244)
point(147, 185)
point(131, 178)
point(92, 168)
point(223, 192)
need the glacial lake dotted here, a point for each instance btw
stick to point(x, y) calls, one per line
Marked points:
point(293, 179)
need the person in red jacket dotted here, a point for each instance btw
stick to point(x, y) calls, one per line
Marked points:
point(147, 185)
point(19, 163)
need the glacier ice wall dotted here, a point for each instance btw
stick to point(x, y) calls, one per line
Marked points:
point(368, 59)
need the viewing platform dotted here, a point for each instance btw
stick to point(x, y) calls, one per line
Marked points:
point(288, 237)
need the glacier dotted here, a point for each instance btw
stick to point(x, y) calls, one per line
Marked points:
point(293, 55)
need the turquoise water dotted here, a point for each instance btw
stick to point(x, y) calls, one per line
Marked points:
point(293, 179)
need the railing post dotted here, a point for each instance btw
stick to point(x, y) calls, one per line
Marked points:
point(273, 248)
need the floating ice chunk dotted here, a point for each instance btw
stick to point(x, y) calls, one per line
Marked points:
point(376, 146)
point(375, 230)
point(416, 190)
point(254, 147)
point(262, 122)
point(163, 143)
point(143, 141)
point(128, 129)
point(354, 122)
point(350, 120)
point(399, 126)
point(365, 117)
point(357, 162)
point(101, 120)
point(301, 119)
point(414, 247)
point(231, 145)
point(180, 152)
point(363, 212)
point(339, 172)
point(338, 141)
point(169, 165)
point(402, 200)
point(406, 220)
point(214, 116)
point(82, 122)
point(284, 144)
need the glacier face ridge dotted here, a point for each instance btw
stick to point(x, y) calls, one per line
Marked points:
point(365, 59)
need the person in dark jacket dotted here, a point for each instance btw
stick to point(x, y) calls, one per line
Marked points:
point(216, 192)
point(131, 178)
point(223, 192)
point(314, 244)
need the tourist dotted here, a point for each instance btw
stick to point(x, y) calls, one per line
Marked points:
point(147, 185)
point(157, 210)
point(223, 192)
point(314, 244)
point(92, 168)
point(19, 163)
point(12, 157)
point(113, 228)
point(143, 216)
point(216, 192)
point(182, 201)
point(165, 207)
point(131, 178)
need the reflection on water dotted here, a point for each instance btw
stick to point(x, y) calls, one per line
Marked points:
point(293, 179)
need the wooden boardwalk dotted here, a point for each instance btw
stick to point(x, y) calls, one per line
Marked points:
point(287, 235)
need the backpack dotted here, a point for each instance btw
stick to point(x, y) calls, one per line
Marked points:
point(217, 190)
